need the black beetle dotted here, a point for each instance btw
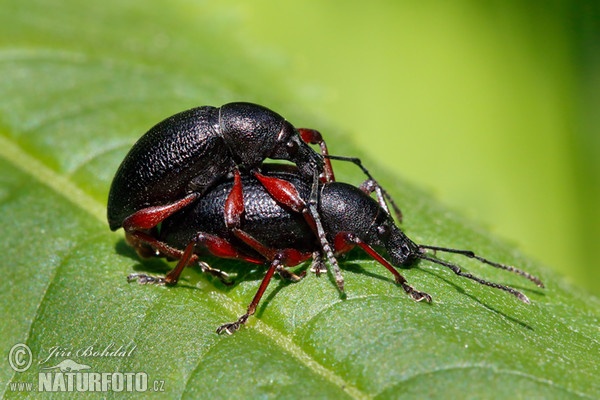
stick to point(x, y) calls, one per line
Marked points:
point(271, 233)
point(178, 159)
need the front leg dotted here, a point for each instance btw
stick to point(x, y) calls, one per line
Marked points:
point(384, 194)
point(344, 241)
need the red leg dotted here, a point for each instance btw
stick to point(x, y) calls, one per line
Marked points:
point(286, 194)
point(346, 241)
point(148, 218)
point(173, 276)
point(138, 224)
point(369, 186)
point(234, 205)
point(282, 191)
point(287, 257)
point(234, 326)
point(185, 258)
point(312, 136)
point(135, 238)
point(214, 245)
point(279, 259)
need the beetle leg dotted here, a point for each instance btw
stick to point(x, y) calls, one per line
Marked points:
point(139, 223)
point(234, 205)
point(288, 257)
point(385, 194)
point(144, 279)
point(215, 245)
point(318, 265)
point(234, 326)
point(160, 248)
point(312, 136)
point(325, 246)
point(285, 193)
point(369, 186)
point(148, 218)
point(344, 241)
point(290, 276)
point(282, 191)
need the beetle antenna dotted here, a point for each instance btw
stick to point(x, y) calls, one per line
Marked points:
point(470, 254)
point(456, 269)
point(358, 163)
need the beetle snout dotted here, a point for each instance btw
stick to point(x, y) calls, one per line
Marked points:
point(291, 147)
point(308, 161)
point(400, 248)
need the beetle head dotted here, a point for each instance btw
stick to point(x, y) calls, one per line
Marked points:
point(290, 146)
point(400, 249)
point(253, 133)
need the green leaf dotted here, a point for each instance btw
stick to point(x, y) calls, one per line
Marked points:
point(80, 84)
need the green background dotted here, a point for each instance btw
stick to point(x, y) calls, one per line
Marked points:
point(488, 109)
point(491, 106)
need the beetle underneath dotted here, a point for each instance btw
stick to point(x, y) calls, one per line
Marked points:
point(272, 233)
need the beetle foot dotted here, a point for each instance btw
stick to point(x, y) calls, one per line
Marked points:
point(232, 327)
point(144, 279)
point(415, 294)
point(318, 266)
point(223, 276)
point(290, 276)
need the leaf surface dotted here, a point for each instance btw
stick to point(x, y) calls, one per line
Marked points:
point(80, 85)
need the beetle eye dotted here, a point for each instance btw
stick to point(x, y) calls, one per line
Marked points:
point(383, 231)
point(292, 146)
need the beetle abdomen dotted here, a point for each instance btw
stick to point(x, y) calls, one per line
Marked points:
point(184, 152)
point(264, 219)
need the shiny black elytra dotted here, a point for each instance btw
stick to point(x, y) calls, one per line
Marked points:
point(180, 158)
point(274, 234)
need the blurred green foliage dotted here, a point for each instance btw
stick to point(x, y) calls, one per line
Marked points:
point(493, 105)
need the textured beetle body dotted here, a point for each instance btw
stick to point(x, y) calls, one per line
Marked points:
point(275, 226)
point(190, 151)
point(178, 155)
